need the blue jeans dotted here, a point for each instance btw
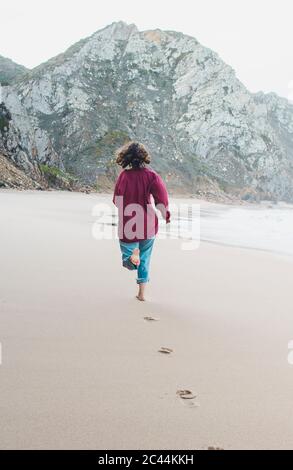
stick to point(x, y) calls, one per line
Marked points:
point(145, 248)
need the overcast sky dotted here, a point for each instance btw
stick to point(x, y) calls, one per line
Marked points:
point(254, 36)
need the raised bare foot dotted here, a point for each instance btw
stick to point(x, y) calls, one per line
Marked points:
point(134, 258)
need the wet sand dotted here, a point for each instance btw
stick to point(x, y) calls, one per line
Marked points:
point(80, 364)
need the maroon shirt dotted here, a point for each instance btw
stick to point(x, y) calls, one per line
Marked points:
point(139, 186)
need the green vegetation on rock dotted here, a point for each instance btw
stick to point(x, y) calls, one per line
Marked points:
point(55, 176)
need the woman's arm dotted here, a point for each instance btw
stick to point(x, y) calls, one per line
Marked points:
point(160, 195)
point(116, 189)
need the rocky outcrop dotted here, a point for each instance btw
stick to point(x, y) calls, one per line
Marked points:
point(162, 88)
point(12, 177)
point(26, 145)
point(10, 71)
point(13, 144)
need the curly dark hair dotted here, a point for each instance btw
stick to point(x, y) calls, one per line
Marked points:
point(132, 154)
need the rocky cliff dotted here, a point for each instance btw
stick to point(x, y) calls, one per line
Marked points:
point(165, 89)
point(10, 71)
point(11, 176)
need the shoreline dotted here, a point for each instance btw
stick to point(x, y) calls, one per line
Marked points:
point(230, 201)
point(209, 210)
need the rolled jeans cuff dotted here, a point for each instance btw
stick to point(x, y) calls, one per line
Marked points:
point(140, 280)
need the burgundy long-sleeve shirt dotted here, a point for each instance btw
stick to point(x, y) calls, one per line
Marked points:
point(135, 190)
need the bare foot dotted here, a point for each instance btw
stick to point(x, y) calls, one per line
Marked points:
point(134, 258)
point(141, 290)
point(141, 298)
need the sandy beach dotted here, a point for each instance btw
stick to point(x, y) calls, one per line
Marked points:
point(80, 363)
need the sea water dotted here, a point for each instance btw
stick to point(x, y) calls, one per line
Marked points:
point(262, 227)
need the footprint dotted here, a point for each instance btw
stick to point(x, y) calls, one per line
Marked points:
point(165, 350)
point(188, 398)
point(150, 319)
point(186, 394)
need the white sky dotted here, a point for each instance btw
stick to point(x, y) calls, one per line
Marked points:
point(254, 36)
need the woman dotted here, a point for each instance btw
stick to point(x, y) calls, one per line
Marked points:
point(138, 221)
